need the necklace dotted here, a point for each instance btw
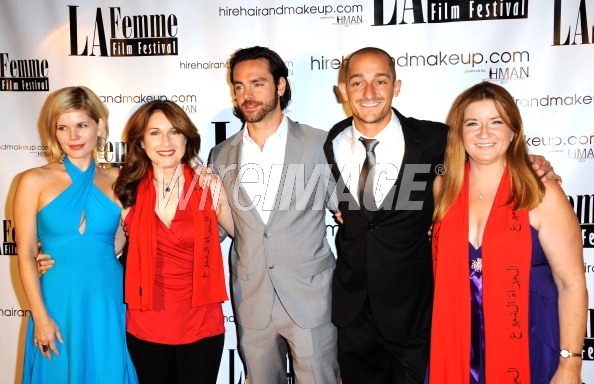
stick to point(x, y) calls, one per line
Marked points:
point(481, 194)
point(167, 187)
point(485, 193)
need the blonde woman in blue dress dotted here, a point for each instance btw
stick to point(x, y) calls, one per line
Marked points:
point(76, 332)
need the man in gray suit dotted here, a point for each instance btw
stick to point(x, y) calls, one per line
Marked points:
point(278, 184)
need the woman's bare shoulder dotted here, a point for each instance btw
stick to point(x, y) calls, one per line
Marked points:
point(43, 173)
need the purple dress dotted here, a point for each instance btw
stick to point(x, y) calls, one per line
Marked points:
point(543, 318)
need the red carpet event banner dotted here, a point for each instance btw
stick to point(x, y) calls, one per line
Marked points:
point(133, 52)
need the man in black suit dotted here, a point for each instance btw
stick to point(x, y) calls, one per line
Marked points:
point(383, 282)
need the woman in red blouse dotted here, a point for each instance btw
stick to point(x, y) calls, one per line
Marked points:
point(174, 282)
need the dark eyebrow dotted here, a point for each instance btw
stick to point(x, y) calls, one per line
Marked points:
point(250, 81)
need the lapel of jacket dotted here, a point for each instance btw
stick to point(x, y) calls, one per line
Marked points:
point(329, 149)
point(413, 144)
point(293, 152)
point(330, 157)
point(413, 153)
point(234, 158)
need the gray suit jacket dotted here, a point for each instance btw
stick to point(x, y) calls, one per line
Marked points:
point(290, 254)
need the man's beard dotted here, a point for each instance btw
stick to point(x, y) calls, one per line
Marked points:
point(258, 115)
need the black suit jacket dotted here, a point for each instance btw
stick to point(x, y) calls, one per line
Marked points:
point(387, 258)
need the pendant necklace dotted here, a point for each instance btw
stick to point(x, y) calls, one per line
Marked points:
point(167, 188)
point(481, 194)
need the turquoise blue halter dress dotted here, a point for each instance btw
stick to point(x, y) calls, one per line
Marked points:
point(83, 290)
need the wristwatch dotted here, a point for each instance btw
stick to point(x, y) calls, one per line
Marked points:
point(567, 354)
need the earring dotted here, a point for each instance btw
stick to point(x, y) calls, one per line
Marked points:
point(101, 148)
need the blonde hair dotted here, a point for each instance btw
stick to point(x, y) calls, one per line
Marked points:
point(72, 99)
point(527, 191)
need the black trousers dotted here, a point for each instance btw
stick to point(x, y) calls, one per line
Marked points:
point(365, 356)
point(195, 363)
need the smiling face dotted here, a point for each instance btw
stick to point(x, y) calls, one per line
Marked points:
point(369, 87)
point(485, 135)
point(77, 133)
point(163, 143)
point(256, 94)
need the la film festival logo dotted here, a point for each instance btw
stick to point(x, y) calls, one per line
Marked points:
point(570, 24)
point(23, 74)
point(576, 32)
point(447, 11)
point(119, 35)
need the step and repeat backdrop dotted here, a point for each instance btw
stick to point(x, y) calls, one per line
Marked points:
point(132, 52)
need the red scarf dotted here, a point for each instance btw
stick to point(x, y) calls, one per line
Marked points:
point(208, 276)
point(506, 257)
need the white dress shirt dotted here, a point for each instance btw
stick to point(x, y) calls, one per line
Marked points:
point(350, 154)
point(261, 170)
